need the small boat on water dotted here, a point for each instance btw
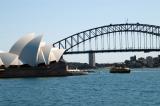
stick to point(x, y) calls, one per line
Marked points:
point(77, 72)
point(120, 70)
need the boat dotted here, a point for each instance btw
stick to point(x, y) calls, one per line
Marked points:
point(120, 70)
point(77, 71)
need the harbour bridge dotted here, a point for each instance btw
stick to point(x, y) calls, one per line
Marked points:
point(127, 37)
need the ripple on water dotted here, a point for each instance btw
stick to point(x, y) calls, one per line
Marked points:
point(101, 88)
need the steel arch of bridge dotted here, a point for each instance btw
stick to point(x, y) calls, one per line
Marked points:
point(80, 38)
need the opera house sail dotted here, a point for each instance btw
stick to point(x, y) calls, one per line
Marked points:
point(30, 56)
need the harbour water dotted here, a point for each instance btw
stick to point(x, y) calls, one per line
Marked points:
point(139, 88)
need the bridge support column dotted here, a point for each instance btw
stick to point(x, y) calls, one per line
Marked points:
point(92, 59)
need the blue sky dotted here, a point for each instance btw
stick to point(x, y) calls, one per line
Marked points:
point(57, 19)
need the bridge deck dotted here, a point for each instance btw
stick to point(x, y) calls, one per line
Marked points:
point(119, 50)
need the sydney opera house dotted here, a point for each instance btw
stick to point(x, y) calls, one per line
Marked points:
point(31, 56)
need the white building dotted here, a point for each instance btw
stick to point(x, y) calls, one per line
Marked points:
point(30, 50)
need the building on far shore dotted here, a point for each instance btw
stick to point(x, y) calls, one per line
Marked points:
point(143, 62)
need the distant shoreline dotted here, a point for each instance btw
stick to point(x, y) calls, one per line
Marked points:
point(78, 65)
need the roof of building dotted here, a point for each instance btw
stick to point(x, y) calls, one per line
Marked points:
point(31, 50)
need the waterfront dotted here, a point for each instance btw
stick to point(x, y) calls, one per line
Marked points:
point(139, 88)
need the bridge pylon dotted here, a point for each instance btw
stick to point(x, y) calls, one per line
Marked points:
point(92, 59)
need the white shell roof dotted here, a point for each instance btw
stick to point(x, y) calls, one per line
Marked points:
point(9, 59)
point(32, 51)
point(21, 43)
point(1, 63)
point(48, 55)
point(41, 58)
point(29, 54)
point(57, 53)
point(51, 57)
